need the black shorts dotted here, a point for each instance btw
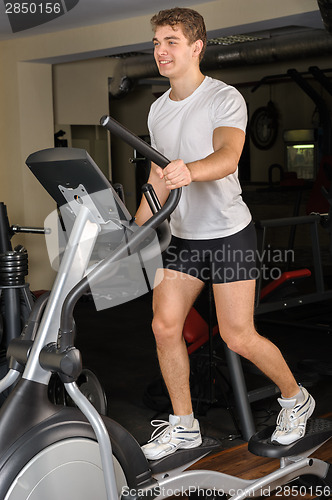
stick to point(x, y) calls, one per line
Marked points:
point(222, 260)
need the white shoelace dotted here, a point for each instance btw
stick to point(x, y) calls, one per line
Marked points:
point(282, 421)
point(285, 419)
point(162, 429)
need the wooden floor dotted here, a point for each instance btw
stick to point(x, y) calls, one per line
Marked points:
point(238, 461)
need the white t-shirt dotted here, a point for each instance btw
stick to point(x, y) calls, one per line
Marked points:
point(184, 130)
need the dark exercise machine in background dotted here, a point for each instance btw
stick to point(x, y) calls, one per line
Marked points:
point(16, 299)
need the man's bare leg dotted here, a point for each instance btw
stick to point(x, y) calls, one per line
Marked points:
point(235, 312)
point(172, 301)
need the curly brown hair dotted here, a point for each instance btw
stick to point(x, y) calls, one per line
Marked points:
point(192, 23)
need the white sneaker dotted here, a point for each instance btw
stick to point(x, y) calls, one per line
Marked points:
point(171, 438)
point(292, 420)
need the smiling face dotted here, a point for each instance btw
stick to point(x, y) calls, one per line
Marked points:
point(174, 55)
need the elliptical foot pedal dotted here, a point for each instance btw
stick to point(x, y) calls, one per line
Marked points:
point(184, 456)
point(317, 432)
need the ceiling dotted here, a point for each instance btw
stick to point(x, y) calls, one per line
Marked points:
point(89, 12)
point(92, 12)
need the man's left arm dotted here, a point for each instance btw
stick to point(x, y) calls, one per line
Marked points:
point(227, 144)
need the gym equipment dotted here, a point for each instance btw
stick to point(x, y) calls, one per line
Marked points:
point(50, 451)
point(87, 382)
point(16, 299)
point(320, 293)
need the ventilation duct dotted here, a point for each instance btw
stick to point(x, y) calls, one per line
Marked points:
point(297, 45)
point(127, 71)
point(280, 48)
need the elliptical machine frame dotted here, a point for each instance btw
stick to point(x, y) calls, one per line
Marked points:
point(50, 451)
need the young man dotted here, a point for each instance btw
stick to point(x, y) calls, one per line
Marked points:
point(199, 124)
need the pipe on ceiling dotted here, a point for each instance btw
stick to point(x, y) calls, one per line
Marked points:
point(297, 45)
point(127, 71)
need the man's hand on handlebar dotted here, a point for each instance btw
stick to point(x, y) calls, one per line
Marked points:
point(176, 174)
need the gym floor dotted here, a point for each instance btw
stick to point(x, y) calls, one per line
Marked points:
point(117, 344)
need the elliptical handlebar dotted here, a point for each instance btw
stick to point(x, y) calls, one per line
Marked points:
point(151, 154)
point(164, 231)
point(133, 140)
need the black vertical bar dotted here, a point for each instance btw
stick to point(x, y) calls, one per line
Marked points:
point(211, 361)
point(12, 314)
point(321, 78)
point(5, 244)
point(318, 266)
point(240, 394)
point(293, 227)
point(261, 235)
